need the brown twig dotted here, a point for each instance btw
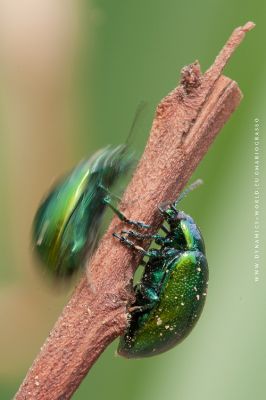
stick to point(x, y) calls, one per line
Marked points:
point(185, 124)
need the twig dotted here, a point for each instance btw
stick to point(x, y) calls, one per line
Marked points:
point(185, 124)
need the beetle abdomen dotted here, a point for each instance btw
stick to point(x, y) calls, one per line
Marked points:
point(181, 300)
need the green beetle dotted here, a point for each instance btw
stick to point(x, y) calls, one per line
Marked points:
point(171, 294)
point(66, 225)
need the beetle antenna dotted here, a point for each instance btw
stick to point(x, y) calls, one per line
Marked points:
point(139, 111)
point(122, 155)
point(124, 148)
point(191, 187)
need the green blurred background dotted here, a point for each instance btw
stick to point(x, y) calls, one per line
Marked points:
point(129, 52)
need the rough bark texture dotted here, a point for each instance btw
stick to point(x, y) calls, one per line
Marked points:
point(185, 125)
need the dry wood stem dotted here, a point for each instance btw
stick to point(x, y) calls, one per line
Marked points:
point(186, 123)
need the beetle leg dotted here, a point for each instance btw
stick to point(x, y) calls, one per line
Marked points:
point(164, 228)
point(107, 191)
point(130, 244)
point(145, 307)
point(142, 236)
point(163, 206)
point(146, 294)
point(162, 281)
point(122, 217)
point(137, 235)
point(160, 240)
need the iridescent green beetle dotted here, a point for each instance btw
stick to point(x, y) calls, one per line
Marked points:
point(171, 294)
point(66, 225)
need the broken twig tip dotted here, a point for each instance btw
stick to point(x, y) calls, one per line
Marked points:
point(248, 26)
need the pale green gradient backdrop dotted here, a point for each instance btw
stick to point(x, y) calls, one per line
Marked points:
point(139, 50)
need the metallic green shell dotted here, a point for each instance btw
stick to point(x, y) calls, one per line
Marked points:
point(172, 291)
point(180, 304)
point(66, 225)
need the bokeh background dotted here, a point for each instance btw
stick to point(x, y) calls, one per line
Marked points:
point(71, 76)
